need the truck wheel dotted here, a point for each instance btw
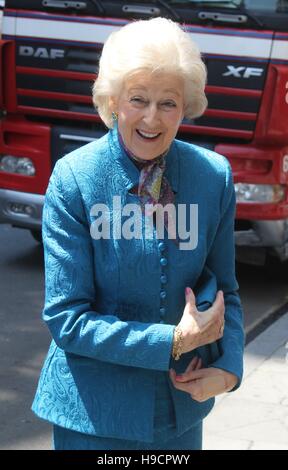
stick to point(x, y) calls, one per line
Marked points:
point(276, 269)
point(37, 235)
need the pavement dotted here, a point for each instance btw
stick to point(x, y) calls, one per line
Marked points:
point(255, 417)
point(24, 340)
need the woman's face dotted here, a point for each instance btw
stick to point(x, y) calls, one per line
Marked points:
point(150, 109)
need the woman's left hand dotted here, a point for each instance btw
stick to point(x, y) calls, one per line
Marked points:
point(203, 384)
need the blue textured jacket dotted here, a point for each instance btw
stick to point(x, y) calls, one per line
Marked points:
point(111, 304)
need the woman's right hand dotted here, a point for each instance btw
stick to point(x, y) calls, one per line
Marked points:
point(200, 328)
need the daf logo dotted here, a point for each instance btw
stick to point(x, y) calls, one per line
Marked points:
point(243, 72)
point(41, 52)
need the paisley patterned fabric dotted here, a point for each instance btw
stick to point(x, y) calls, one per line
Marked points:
point(111, 325)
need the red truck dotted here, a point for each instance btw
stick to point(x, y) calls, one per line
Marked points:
point(49, 52)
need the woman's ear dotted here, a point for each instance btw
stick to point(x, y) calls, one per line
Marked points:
point(113, 104)
point(183, 112)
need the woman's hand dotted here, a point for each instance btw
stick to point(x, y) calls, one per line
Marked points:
point(203, 384)
point(200, 328)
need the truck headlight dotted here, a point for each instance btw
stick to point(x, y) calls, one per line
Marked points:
point(246, 192)
point(19, 165)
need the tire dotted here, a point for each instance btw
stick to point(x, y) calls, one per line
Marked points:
point(37, 235)
point(276, 269)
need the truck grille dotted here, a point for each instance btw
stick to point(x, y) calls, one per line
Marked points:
point(54, 78)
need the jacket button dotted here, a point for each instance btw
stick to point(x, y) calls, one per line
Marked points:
point(161, 246)
point(162, 294)
point(162, 311)
point(163, 261)
point(163, 279)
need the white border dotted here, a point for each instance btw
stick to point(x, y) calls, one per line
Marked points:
point(235, 46)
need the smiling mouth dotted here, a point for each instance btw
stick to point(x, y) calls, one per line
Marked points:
point(148, 135)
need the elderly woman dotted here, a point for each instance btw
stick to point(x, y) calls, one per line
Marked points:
point(135, 303)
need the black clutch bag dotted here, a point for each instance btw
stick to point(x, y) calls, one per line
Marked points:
point(205, 292)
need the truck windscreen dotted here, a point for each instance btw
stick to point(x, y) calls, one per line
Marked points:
point(272, 6)
point(241, 14)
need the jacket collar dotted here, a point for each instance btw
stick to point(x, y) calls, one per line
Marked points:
point(130, 172)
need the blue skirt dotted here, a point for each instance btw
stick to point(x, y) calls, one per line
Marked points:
point(65, 439)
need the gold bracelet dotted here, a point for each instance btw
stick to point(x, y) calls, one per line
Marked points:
point(177, 343)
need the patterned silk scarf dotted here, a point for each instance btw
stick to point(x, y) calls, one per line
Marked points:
point(153, 188)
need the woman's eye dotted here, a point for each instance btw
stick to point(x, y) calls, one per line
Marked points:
point(168, 104)
point(137, 100)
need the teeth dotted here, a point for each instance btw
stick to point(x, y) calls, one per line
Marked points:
point(149, 136)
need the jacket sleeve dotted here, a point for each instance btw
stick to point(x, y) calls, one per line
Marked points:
point(70, 290)
point(221, 260)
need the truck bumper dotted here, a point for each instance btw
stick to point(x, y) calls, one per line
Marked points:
point(252, 245)
point(264, 236)
point(21, 209)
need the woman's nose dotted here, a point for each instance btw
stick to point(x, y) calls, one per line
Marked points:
point(151, 114)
